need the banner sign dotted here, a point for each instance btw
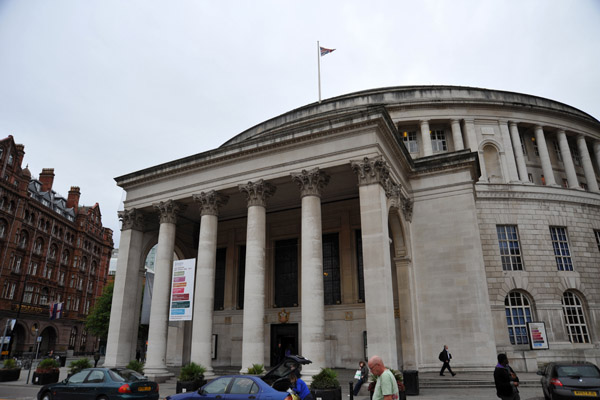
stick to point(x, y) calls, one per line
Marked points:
point(538, 340)
point(182, 290)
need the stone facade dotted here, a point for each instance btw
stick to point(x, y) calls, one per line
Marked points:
point(372, 223)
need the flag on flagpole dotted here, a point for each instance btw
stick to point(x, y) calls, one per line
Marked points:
point(56, 310)
point(325, 51)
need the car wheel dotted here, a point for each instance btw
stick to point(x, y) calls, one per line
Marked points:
point(47, 396)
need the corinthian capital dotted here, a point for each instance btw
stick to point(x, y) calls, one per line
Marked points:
point(131, 219)
point(210, 202)
point(257, 192)
point(311, 182)
point(168, 211)
point(371, 170)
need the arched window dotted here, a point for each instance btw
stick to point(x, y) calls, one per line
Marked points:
point(492, 164)
point(23, 239)
point(518, 314)
point(53, 250)
point(83, 340)
point(73, 338)
point(574, 318)
point(39, 244)
point(65, 257)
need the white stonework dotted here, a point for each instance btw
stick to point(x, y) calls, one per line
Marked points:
point(387, 252)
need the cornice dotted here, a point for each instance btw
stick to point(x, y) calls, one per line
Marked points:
point(534, 193)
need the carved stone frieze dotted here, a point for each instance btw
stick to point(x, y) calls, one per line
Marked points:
point(131, 219)
point(168, 211)
point(257, 192)
point(407, 208)
point(312, 182)
point(210, 202)
point(397, 200)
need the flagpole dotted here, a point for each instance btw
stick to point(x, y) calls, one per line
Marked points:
point(319, 64)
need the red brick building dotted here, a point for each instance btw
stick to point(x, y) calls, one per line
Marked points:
point(51, 250)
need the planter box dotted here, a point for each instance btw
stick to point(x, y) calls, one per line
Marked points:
point(44, 378)
point(10, 374)
point(327, 394)
point(189, 386)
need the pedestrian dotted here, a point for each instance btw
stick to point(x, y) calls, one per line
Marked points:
point(507, 382)
point(96, 358)
point(363, 374)
point(298, 386)
point(386, 387)
point(445, 357)
point(138, 355)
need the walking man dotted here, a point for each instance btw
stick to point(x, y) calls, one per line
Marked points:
point(445, 357)
point(386, 387)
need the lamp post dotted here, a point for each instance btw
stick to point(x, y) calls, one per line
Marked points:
point(38, 339)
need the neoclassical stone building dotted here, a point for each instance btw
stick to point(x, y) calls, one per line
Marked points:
point(390, 221)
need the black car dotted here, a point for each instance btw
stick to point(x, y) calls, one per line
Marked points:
point(101, 384)
point(570, 381)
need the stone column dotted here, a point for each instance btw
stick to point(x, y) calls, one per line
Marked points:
point(426, 138)
point(457, 135)
point(471, 135)
point(597, 152)
point(508, 152)
point(156, 367)
point(253, 333)
point(311, 183)
point(565, 153)
point(373, 176)
point(518, 151)
point(544, 156)
point(588, 168)
point(202, 321)
point(120, 343)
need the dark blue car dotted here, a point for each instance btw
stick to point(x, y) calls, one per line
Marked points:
point(101, 384)
point(272, 386)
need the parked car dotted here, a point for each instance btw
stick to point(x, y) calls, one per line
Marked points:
point(101, 384)
point(272, 385)
point(570, 381)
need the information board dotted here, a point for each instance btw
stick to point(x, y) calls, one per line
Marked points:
point(182, 290)
point(537, 336)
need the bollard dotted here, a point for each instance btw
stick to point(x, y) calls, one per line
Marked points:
point(351, 383)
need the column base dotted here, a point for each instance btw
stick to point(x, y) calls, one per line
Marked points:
point(159, 375)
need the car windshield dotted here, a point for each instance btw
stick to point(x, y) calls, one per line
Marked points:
point(587, 371)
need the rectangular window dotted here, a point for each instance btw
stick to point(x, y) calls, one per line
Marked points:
point(597, 234)
point(219, 303)
point(28, 294)
point(575, 155)
point(560, 243)
point(510, 250)
point(523, 147)
point(286, 273)
point(241, 277)
point(331, 269)
point(438, 141)
point(410, 141)
point(359, 265)
point(557, 151)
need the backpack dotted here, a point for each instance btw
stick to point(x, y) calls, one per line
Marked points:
point(441, 356)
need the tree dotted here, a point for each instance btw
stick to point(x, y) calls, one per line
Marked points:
point(98, 319)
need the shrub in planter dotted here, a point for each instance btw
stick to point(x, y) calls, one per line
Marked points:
point(191, 377)
point(326, 385)
point(136, 366)
point(256, 369)
point(46, 372)
point(9, 371)
point(76, 366)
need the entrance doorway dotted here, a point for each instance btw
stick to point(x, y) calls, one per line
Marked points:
point(283, 336)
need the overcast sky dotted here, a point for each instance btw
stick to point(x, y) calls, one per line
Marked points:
point(99, 89)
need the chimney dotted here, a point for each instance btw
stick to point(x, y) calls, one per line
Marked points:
point(73, 199)
point(47, 178)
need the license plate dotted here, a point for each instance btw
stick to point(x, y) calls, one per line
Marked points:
point(144, 389)
point(585, 393)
